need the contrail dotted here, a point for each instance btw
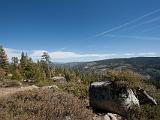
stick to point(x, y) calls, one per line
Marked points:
point(128, 23)
point(152, 20)
point(133, 37)
point(156, 19)
point(150, 29)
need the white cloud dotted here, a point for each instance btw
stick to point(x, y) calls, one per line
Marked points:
point(63, 55)
point(13, 52)
point(37, 53)
point(147, 54)
point(68, 56)
point(56, 54)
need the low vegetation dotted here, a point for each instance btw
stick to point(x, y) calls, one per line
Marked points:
point(145, 112)
point(43, 104)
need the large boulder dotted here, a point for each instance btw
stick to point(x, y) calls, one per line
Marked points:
point(111, 97)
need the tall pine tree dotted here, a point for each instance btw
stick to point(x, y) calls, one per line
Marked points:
point(3, 59)
point(23, 63)
point(45, 60)
point(15, 62)
point(23, 60)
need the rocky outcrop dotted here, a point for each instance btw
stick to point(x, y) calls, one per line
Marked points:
point(110, 97)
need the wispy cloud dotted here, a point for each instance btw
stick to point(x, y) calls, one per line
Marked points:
point(150, 29)
point(132, 37)
point(66, 56)
point(143, 54)
point(152, 20)
point(128, 23)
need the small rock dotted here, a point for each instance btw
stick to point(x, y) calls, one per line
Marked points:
point(106, 117)
point(68, 118)
point(50, 87)
point(112, 116)
point(96, 117)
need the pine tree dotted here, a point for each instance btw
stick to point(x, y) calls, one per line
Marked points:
point(3, 59)
point(14, 69)
point(46, 57)
point(23, 60)
point(15, 62)
point(45, 60)
point(23, 64)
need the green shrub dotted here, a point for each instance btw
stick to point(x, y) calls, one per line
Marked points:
point(145, 112)
point(16, 75)
point(128, 78)
point(2, 73)
point(79, 90)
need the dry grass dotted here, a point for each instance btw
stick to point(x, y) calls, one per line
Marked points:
point(43, 104)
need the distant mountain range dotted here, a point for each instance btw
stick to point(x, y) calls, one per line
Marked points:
point(149, 67)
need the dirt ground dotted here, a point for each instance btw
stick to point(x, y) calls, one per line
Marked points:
point(12, 90)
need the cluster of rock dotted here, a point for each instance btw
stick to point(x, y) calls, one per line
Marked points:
point(108, 96)
point(108, 116)
point(59, 79)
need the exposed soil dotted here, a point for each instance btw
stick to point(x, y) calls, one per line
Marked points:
point(13, 90)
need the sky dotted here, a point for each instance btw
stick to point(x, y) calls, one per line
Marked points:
point(80, 30)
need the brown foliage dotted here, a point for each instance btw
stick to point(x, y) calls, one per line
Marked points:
point(43, 104)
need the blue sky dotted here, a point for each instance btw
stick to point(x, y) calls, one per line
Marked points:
point(80, 30)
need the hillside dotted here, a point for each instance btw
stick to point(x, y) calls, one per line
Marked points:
point(149, 67)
